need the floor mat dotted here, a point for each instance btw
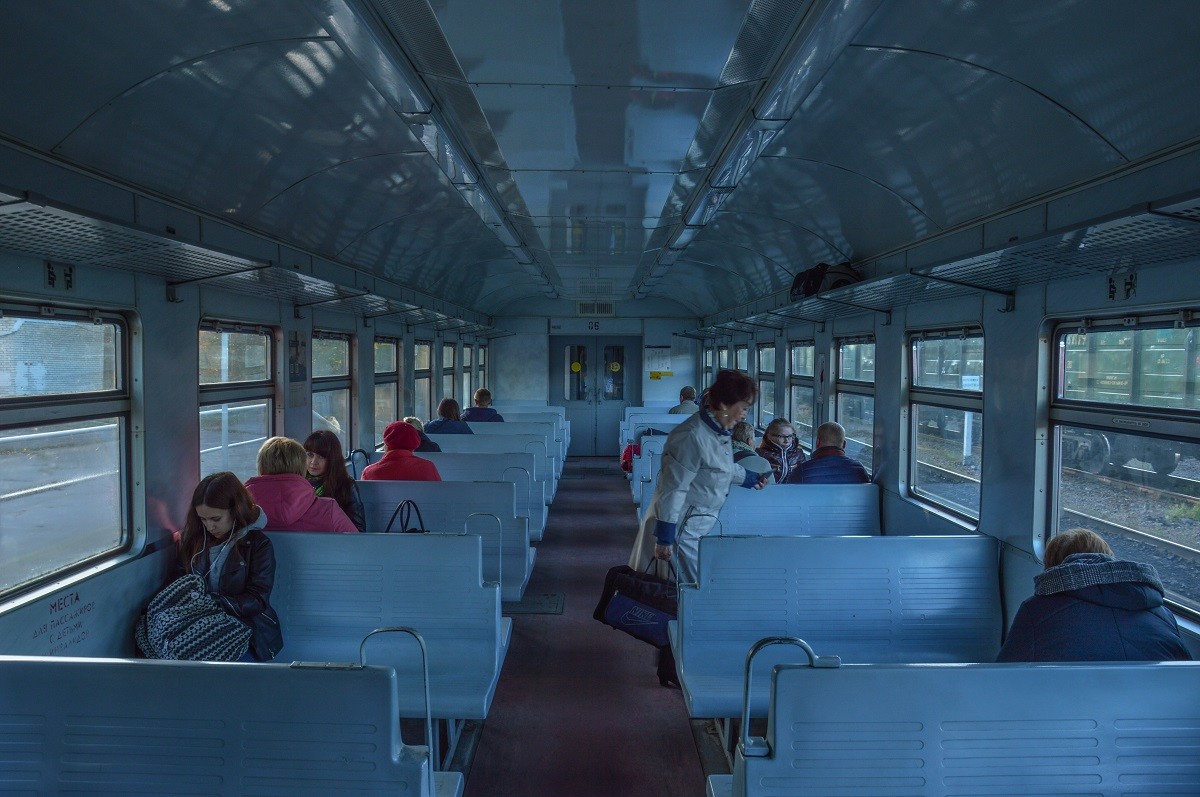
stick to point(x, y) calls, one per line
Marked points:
point(536, 603)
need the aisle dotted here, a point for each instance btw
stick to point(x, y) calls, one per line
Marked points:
point(579, 710)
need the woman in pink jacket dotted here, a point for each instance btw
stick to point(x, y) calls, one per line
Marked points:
point(286, 496)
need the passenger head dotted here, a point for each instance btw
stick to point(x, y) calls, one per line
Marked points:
point(743, 432)
point(1074, 541)
point(688, 393)
point(323, 450)
point(831, 434)
point(414, 422)
point(401, 436)
point(781, 433)
point(730, 397)
point(482, 397)
point(282, 455)
point(449, 409)
point(220, 504)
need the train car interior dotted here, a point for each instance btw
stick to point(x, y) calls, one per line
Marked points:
point(967, 232)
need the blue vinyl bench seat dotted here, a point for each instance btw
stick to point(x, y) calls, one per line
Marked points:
point(865, 599)
point(331, 590)
point(942, 730)
point(126, 726)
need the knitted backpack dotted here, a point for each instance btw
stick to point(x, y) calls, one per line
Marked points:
point(184, 622)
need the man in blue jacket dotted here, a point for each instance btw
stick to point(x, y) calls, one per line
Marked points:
point(482, 411)
point(829, 463)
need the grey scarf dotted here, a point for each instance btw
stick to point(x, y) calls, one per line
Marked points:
point(1081, 570)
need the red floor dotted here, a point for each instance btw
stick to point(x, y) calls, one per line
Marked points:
point(579, 710)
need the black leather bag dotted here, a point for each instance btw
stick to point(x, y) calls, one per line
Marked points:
point(638, 603)
point(406, 510)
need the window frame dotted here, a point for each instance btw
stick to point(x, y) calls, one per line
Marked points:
point(1179, 426)
point(950, 399)
point(853, 387)
point(763, 376)
point(426, 374)
point(215, 394)
point(388, 377)
point(21, 412)
point(802, 381)
point(330, 384)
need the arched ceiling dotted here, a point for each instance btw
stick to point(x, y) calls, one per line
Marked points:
point(492, 154)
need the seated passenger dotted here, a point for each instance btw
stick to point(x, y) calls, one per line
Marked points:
point(687, 402)
point(1089, 606)
point(449, 419)
point(829, 463)
point(400, 439)
point(780, 447)
point(222, 541)
point(328, 475)
point(482, 411)
point(286, 496)
point(743, 440)
point(427, 445)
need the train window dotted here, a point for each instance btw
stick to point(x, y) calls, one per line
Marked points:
point(1135, 487)
point(710, 357)
point(741, 357)
point(481, 359)
point(468, 375)
point(331, 395)
point(387, 383)
point(802, 390)
point(766, 383)
point(449, 350)
point(855, 391)
point(722, 357)
point(423, 379)
point(946, 412)
point(237, 394)
point(64, 412)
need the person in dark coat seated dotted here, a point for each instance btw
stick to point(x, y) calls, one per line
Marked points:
point(829, 463)
point(780, 447)
point(1089, 606)
point(482, 411)
point(449, 419)
point(427, 445)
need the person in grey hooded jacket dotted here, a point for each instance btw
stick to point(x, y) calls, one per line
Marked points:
point(1089, 606)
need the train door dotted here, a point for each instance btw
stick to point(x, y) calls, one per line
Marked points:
point(595, 378)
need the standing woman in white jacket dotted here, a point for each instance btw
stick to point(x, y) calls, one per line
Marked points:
point(696, 474)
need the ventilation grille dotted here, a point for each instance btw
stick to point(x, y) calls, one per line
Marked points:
point(595, 286)
point(595, 309)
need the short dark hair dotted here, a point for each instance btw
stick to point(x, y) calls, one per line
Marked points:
point(449, 409)
point(731, 387)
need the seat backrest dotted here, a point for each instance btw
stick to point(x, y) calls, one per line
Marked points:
point(125, 726)
point(803, 510)
point(940, 730)
point(515, 467)
point(547, 459)
point(449, 506)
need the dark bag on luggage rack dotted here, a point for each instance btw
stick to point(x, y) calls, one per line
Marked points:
point(638, 603)
point(406, 510)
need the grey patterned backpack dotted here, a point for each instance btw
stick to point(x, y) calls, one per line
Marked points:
point(184, 622)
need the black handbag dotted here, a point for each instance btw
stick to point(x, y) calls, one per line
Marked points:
point(405, 510)
point(638, 603)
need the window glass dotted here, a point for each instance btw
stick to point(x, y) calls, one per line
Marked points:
point(468, 388)
point(803, 357)
point(742, 358)
point(614, 373)
point(448, 352)
point(856, 414)
point(422, 355)
point(766, 359)
point(766, 402)
point(385, 356)
point(234, 357)
point(575, 381)
point(231, 434)
point(1142, 367)
point(722, 357)
point(468, 351)
point(422, 404)
point(40, 357)
point(949, 448)
point(330, 357)
point(331, 410)
point(64, 494)
point(803, 408)
point(949, 363)
point(856, 362)
point(447, 387)
point(387, 409)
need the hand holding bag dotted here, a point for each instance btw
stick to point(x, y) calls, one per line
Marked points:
point(638, 603)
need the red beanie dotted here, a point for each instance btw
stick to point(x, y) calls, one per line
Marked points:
point(401, 434)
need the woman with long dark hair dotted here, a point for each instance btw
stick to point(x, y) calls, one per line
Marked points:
point(222, 542)
point(328, 475)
